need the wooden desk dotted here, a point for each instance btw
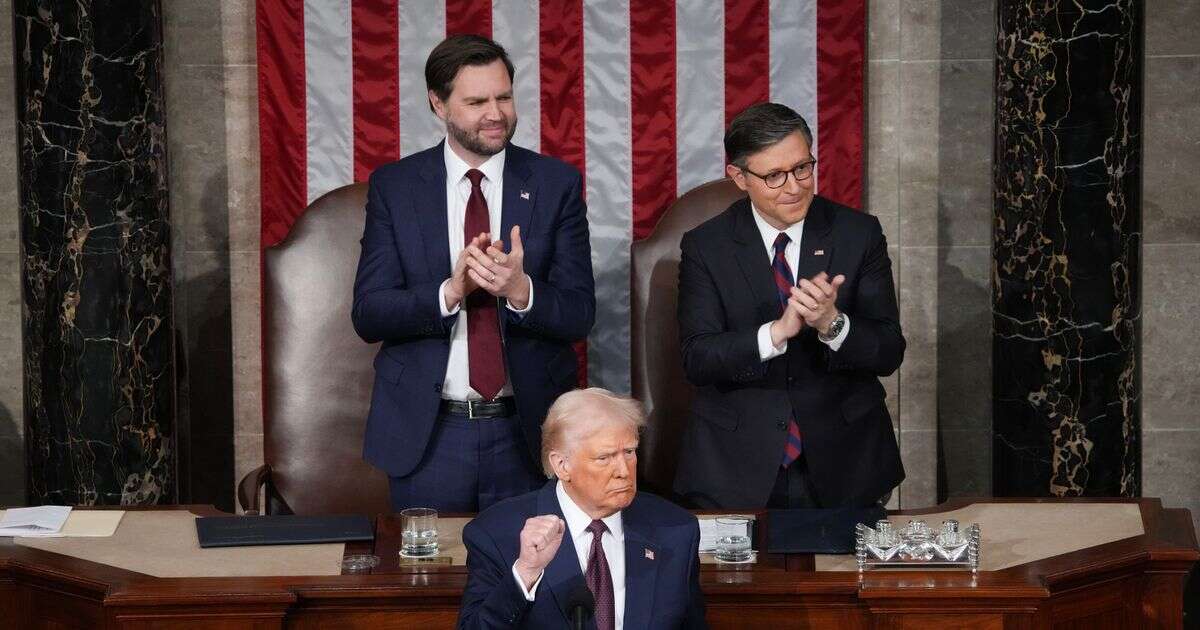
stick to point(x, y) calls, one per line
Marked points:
point(1131, 583)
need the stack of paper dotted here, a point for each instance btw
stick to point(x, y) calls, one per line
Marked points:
point(44, 520)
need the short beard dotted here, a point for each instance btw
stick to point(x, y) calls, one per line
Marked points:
point(473, 142)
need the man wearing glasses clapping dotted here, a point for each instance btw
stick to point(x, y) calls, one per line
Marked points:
point(787, 319)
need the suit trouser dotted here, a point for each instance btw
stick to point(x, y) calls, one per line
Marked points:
point(468, 466)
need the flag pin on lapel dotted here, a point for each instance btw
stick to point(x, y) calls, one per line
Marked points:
point(649, 555)
point(525, 195)
point(819, 252)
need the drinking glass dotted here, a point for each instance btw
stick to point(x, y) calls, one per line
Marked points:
point(419, 536)
point(733, 545)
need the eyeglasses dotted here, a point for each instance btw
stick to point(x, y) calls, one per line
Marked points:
point(776, 179)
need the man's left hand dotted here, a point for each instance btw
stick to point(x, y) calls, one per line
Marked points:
point(817, 300)
point(499, 273)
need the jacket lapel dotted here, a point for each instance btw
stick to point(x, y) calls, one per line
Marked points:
point(816, 249)
point(562, 574)
point(755, 264)
point(641, 571)
point(429, 204)
point(519, 195)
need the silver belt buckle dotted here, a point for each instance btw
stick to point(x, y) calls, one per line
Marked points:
point(471, 409)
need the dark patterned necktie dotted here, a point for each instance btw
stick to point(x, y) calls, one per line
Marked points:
point(599, 580)
point(784, 281)
point(483, 320)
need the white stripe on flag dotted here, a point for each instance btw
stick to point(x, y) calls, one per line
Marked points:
point(328, 76)
point(515, 26)
point(422, 26)
point(794, 59)
point(699, 94)
point(609, 187)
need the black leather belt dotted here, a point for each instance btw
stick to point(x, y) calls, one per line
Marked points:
point(475, 409)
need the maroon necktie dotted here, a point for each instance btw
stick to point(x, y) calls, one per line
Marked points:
point(783, 284)
point(599, 580)
point(483, 321)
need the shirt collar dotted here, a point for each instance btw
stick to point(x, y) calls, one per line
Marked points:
point(578, 520)
point(794, 231)
point(456, 167)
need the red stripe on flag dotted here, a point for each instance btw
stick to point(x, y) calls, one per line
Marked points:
point(560, 63)
point(840, 53)
point(652, 87)
point(376, 47)
point(469, 17)
point(281, 116)
point(747, 55)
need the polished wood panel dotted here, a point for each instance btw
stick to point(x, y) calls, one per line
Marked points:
point(1132, 583)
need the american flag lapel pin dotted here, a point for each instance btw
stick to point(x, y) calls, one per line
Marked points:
point(649, 555)
point(819, 252)
point(525, 195)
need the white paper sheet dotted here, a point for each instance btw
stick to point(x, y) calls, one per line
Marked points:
point(34, 521)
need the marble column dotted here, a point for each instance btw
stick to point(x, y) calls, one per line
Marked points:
point(96, 258)
point(1066, 248)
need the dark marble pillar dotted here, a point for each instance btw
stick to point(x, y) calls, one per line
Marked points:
point(96, 277)
point(1066, 248)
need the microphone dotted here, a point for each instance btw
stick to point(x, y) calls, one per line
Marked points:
point(581, 604)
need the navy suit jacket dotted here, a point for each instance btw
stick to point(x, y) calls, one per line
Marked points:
point(406, 256)
point(739, 417)
point(662, 587)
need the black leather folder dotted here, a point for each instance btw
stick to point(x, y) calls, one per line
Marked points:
point(240, 531)
point(817, 530)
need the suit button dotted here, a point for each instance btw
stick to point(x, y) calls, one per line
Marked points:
point(437, 387)
point(782, 424)
point(791, 379)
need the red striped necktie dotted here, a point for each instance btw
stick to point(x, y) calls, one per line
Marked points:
point(784, 281)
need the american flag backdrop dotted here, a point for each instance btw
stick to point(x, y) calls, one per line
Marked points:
point(636, 94)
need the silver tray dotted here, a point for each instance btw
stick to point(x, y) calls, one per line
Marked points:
point(916, 545)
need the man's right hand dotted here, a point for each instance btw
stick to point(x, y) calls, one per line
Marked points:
point(461, 284)
point(540, 539)
point(788, 325)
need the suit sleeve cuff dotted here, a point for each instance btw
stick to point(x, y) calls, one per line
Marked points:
point(766, 349)
point(836, 342)
point(529, 305)
point(442, 301)
point(531, 592)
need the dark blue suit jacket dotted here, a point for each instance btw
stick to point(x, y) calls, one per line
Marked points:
point(662, 592)
point(406, 256)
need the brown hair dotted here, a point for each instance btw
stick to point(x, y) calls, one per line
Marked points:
point(456, 51)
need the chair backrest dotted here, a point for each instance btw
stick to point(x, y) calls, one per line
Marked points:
point(658, 379)
point(318, 372)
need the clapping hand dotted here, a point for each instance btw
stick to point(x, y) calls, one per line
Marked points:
point(815, 300)
point(499, 273)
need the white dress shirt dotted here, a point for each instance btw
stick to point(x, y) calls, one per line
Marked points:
point(791, 253)
point(457, 384)
point(613, 542)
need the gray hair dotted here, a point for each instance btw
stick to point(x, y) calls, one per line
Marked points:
point(761, 126)
point(578, 412)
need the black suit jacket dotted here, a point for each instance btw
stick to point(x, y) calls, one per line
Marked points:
point(662, 567)
point(406, 256)
point(737, 427)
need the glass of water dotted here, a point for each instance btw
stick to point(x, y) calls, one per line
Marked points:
point(419, 536)
point(733, 541)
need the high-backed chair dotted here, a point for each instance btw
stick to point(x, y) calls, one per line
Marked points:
point(318, 372)
point(658, 379)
